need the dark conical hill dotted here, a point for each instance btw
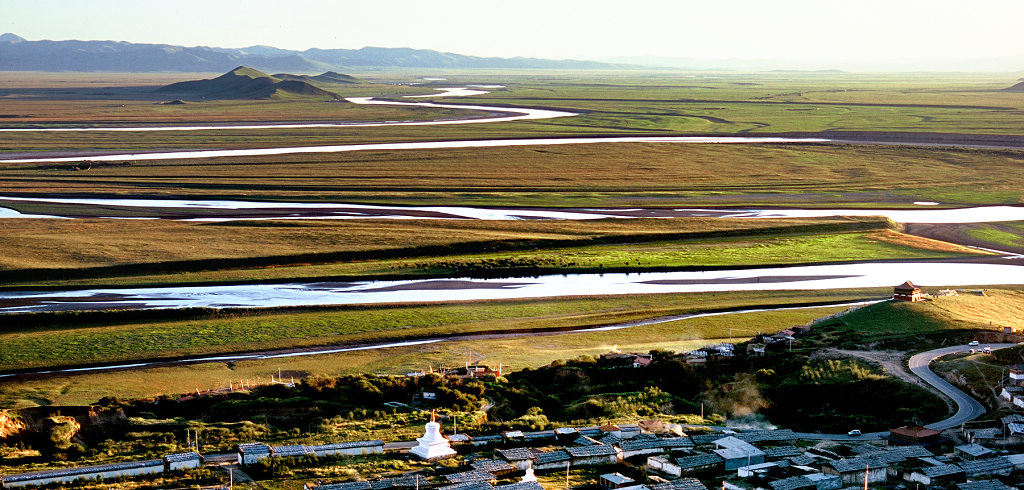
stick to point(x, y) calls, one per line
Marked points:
point(246, 83)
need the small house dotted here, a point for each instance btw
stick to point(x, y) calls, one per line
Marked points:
point(99, 472)
point(616, 480)
point(737, 453)
point(944, 475)
point(852, 470)
point(182, 461)
point(252, 452)
point(551, 460)
point(520, 457)
point(594, 455)
point(971, 452)
point(357, 448)
point(495, 467)
point(988, 467)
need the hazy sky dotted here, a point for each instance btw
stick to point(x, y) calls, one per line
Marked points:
point(845, 34)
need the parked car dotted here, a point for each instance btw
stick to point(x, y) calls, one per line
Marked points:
point(854, 432)
point(973, 342)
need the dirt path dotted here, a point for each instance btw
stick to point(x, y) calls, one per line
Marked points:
point(890, 361)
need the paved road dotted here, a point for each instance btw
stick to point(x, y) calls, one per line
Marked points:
point(968, 408)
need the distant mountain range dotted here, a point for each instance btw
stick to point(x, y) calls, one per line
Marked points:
point(19, 54)
point(247, 83)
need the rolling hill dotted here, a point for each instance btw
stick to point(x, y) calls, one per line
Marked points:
point(247, 83)
point(327, 77)
point(19, 54)
point(1019, 87)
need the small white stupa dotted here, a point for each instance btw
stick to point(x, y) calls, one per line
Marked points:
point(529, 476)
point(432, 446)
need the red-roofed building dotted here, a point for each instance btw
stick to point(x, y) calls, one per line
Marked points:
point(906, 292)
point(913, 434)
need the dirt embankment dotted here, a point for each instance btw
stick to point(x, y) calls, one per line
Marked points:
point(90, 422)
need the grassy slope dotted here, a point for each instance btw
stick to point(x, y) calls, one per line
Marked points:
point(89, 253)
point(515, 353)
point(998, 308)
point(62, 339)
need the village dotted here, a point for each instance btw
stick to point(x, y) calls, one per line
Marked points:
point(650, 454)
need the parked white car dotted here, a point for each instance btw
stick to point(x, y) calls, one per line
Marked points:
point(854, 432)
point(973, 342)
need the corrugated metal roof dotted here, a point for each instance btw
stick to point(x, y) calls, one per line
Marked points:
point(589, 451)
point(698, 460)
point(516, 454)
point(680, 484)
point(404, 481)
point(290, 451)
point(986, 466)
point(766, 435)
point(352, 485)
point(941, 470)
point(347, 445)
point(253, 447)
point(546, 457)
point(975, 450)
point(180, 457)
point(469, 476)
point(532, 485)
point(856, 464)
point(83, 470)
point(585, 441)
point(492, 465)
point(983, 485)
point(779, 452)
point(792, 483)
point(476, 485)
point(617, 478)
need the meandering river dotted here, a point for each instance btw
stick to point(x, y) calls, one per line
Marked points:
point(818, 277)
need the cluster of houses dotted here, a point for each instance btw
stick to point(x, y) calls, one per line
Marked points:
point(656, 455)
point(667, 458)
point(1013, 386)
point(168, 463)
point(254, 452)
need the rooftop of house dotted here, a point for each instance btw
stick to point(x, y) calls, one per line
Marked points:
point(975, 450)
point(80, 470)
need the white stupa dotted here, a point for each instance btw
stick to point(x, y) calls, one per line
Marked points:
point(529, 476)
point(433, 446)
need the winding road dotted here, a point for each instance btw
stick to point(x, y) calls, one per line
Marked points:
point(967, 407)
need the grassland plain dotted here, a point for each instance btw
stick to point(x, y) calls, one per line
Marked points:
point(658, 103)
point(512, 352)
point(74, 253)
point(617, 175)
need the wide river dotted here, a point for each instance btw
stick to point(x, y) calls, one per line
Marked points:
point(214, 210)
point(819, 277)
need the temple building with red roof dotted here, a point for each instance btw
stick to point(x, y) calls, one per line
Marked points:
point(906, 292)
